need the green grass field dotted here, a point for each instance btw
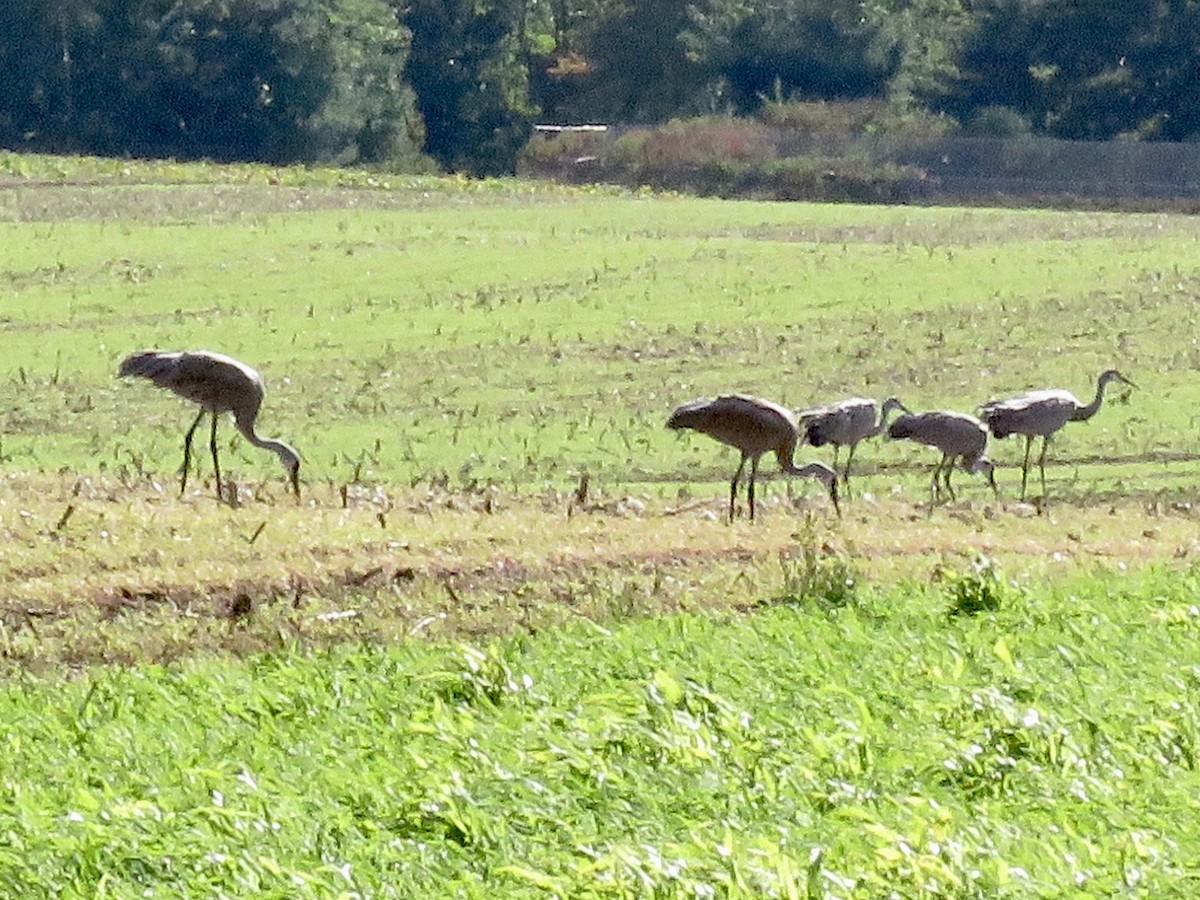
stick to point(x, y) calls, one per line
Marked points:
point(441, 674)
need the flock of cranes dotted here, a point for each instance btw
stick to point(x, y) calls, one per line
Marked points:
point(751, 425)
point(756, 426)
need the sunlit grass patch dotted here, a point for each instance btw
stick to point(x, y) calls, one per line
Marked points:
point(505, 644)
point(830, 751)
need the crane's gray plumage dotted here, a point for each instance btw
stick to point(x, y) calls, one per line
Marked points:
point(958, 435)
point(845, 424)
point(1042, 414)
point(754, 427)
point(219, 384)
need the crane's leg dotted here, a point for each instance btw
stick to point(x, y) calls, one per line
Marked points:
point(1025, 465)
point(737, 476)
point(947, 472)
point(846, 476)
point(187, 451)
point(935, 489)
point(750, 489)
point(1042, 463)
point(212, 443)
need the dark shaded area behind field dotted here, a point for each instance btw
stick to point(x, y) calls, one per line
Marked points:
point(961, 169)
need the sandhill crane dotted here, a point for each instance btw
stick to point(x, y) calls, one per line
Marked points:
point(219, 384)
point(754, 427)
point(957, 435)
point(1042, 413)
point(845, 423)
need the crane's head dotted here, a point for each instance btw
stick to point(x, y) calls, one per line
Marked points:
point(827, 477)
point(1113, 375)
point(892, 404)
point(693, 414)
point(984, 465)
point(291, 464)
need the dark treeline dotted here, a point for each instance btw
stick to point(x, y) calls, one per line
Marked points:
point(380, 81)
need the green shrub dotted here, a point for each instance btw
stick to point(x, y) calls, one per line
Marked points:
point(981, 590)
point(846, 120)
point(683, 142)
point(817, 576)
point(823, 119)
point(999, 122)
point(724, 157)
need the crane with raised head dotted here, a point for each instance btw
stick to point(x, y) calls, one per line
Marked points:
point(958, 435)
point(752, 426)
point(219, 384)
point(845, 424)
point(1042, 414)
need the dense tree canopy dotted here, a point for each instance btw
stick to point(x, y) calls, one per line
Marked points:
point(273, 80)
point(378, 80)
point(470, 89)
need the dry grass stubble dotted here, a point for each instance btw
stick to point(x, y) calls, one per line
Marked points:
point(98, 571)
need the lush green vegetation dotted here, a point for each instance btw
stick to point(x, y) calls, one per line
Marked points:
point(448, 671)
point(880, 744)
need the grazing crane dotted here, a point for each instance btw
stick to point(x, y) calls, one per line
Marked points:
point(845, 423)
point(219, 384)
point(1042, 413)
point(754, 427)
point(957, 435)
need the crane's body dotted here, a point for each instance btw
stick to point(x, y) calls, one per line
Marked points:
point(217, 384)
point(845, 424)
point(754, 427)
point(1042, 414)
point(958, 436)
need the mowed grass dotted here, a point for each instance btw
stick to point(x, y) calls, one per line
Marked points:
point(448, 671)
point(524, 336)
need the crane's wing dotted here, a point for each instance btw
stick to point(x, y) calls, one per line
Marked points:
point(844, 422)
point(213, 380)
point(1033, 413)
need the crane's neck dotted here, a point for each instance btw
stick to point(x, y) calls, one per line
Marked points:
point(1086, 412)
point(278, 447)
point(817, 470)
point(787, 458)
point(788, 466)
point(882, 424)
point(286, 453)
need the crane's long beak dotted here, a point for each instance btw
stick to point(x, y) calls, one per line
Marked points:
point(1127, 381)
point(295, 479)
point(833, 496)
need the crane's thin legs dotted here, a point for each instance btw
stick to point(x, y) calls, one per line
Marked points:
point(212, 443)
point(187, 451)
point(947, 472)
point(846, 476)
point(1042, 464)
point(935, 488)
point(1025, 465)
point(737, 476)
point(750, 490)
